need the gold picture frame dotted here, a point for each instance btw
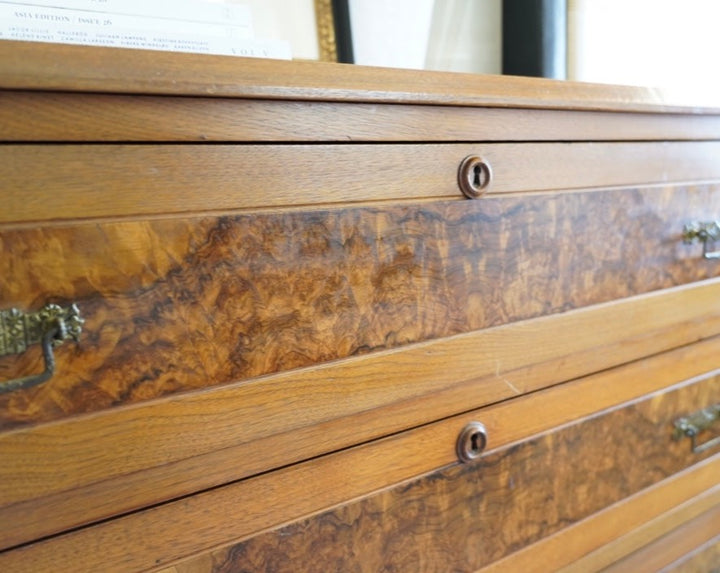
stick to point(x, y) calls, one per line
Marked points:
point(327, 43)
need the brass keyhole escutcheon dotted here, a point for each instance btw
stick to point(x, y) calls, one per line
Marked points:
point(472, 442)
point(474, 176)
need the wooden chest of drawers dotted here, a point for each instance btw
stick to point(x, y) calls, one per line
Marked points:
point(298, 287)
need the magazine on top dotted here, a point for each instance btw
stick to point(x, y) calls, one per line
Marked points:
point(189, 26)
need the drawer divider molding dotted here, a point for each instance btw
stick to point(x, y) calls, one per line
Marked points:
point(66, 181)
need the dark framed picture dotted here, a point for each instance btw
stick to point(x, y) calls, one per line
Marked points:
point(343, 30)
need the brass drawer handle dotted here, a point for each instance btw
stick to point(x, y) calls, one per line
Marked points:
point(695, 423)
point(50, 326)
point(704, 232)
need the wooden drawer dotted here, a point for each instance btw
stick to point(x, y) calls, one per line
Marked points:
point(184, 303)
point(287, 329)
point(527, 487)
point(271, 308)
point(466, 516)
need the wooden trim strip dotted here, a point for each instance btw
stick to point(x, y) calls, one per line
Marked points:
point(646, 533)
point(42, 182)
point(37, 66)
point(128, 458)
point(703, 558)
point(43, 116)
point(228, 514)
point(673, 546)
point(574, 542)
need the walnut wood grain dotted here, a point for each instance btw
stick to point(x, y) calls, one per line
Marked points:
point(52, 116)
point(664, 552)
point(460, 517)
point(180, 304)
point(198, 428)
point(52, 183)
point(37, 66)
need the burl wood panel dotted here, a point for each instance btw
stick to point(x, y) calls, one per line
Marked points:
point(466, 516)
point(185, 303)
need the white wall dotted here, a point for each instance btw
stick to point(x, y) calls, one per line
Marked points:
point(663, 43)
point(290, 20)
point(455, 35)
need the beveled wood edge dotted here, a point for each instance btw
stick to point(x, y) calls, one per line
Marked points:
point(673, 546)
point(646, 533)
point(696, 486)
point(378, 203)
point(689, 562)
point(60, 67)
point(488, 366)
point(165, 179)
point(59, 116)
point(228, 515)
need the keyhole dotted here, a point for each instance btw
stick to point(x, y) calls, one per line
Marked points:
point(477, 442)
point(472, 441)
point(477, 180)
point(474, 176)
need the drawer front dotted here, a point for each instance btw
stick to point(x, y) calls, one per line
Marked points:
point(462, 516)
point(53, 182)
point(468, 516)
point(333, 323)
point(185, 303)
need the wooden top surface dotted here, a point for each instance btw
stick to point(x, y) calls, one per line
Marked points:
point(56, 67)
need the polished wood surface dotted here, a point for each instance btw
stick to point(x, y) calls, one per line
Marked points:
point(466, 515)
point(645, 534)
point(461, 518)
point(293, 289)
point(404, 456)
point(58, 116)
point(704, 558)
point(697, 484)
point(92, 181)
point(292, 311)
point(488, 365)
point(664, 552)
point(31, 65)
point(336, 405)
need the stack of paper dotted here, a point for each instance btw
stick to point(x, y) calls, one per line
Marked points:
point(171, 25)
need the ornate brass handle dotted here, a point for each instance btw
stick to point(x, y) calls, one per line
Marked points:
point(695, 423)
point(50, 326)
point(703, 232)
